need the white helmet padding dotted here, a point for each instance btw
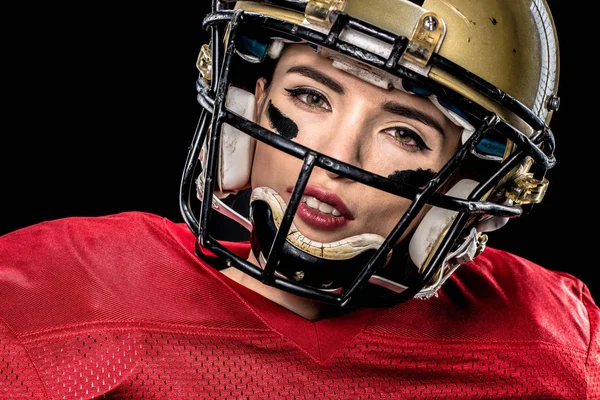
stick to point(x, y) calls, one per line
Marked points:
point(237, 148)
point(435, 224)
point(236, 152)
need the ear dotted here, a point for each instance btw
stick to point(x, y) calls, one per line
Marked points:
point(260, 93)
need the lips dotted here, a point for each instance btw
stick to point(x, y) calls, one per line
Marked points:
point(323, 220)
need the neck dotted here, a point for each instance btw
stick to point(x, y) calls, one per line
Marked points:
point(306, 308)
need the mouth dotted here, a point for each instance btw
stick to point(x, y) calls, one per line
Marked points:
point(342, 249)
point(322, 210)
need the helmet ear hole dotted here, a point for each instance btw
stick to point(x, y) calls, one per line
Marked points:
point(435, 224)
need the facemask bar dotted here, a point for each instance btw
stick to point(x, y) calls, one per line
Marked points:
point(290, 213)
point(187, 179)
point(295, 5)
point(465, 207)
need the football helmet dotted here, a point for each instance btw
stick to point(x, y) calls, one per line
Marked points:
point(490, 66)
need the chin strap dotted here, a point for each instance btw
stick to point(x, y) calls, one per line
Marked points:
point(472, 246)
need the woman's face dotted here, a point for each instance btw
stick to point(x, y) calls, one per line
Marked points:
point(387, 132)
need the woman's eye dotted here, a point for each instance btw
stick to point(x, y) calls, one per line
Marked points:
point(309, 97)
point(408, 138)
point(313, 99)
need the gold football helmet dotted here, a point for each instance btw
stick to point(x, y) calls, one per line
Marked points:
point(491, 66)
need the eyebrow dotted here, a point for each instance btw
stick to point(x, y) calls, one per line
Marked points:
point(312, 73)
point(412, 113)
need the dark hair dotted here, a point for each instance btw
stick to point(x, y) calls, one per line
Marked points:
point(244, 74)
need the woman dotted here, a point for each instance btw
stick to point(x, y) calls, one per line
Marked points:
point(374, 161)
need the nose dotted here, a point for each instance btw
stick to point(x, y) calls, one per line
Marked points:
point(345, 139)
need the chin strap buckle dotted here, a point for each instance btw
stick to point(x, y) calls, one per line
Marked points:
point(525, 189)
point(473, 246)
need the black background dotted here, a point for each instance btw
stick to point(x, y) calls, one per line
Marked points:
point(99, 108)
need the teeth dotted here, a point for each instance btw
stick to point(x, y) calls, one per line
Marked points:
point(320, 206)
point(325, 208)
point(312, 202)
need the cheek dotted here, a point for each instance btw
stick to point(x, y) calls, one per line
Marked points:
point(382, 210)
point(265, 174)
point(287, 120)
point(264, 156)
point(281, 121)
point(452, 144)
point(385, 210)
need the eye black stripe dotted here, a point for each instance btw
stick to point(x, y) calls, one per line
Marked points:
point(281, 123)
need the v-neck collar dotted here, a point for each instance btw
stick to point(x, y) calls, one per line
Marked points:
point(321, 338)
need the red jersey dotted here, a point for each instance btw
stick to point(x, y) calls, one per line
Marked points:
point(120, 306)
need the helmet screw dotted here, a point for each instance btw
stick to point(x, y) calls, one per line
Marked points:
point(430, 23)
point(553, 103)
point(299, 275)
